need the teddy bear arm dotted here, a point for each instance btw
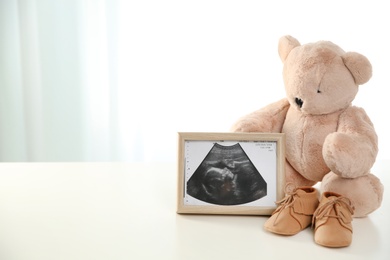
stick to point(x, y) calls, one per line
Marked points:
point(351, 151)
point(268, 119)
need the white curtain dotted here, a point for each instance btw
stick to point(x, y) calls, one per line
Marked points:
point(98, 80)
point(109, 80)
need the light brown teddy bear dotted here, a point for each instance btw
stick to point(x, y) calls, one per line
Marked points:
point(328, 140)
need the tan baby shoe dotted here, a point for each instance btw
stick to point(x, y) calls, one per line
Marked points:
point(332, 221)
point(294, 212)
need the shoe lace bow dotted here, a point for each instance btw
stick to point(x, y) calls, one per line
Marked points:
point(335, 208)
point(287, 201)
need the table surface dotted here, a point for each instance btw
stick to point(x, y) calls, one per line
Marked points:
point(128, 211)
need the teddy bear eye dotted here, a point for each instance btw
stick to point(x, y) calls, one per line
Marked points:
point(318, 91)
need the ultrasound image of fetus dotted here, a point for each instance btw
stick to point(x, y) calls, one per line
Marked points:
point(226, 176)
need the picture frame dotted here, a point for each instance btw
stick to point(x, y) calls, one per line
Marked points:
point(230, 173)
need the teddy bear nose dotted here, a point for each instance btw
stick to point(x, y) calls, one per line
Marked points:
point(299, 102)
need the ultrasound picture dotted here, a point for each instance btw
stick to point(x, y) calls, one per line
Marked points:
point(227, 176)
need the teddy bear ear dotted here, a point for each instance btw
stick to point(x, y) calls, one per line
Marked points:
point(286, 44)
point(359, 66)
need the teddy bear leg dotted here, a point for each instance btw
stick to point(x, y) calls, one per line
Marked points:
point(294, 179)
point(365, 192)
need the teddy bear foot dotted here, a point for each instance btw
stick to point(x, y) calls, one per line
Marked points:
point(365, 192)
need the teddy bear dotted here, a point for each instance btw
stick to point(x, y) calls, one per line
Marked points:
point(328, 140)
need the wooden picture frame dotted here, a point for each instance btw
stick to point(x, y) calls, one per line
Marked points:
point(230, 173)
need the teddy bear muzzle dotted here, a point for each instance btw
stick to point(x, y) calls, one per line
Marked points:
point(299, 102)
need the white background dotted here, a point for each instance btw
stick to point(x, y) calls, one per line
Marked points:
point(116, 80)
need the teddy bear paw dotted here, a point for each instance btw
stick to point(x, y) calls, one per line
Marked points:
point(245, 126)
point(347, 156)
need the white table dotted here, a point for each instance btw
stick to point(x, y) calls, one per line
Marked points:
point(115, 211)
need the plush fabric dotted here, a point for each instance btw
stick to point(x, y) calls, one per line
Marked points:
point(328, 139)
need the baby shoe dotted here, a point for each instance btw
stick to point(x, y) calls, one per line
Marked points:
point(332, 221)
point(294, 212)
